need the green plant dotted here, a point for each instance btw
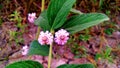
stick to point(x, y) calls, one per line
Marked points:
point(37, 49)
point(107, 12)
point(84, 37)
point(19, 40)
point(76, 66)
point(35, 64)
point(16, 17)
point(53, 20)
point(17, 35)
point(105, 54)
point(14, 36)
point(79, 51)
point(25, 64)
point(76, 49)
point(101, 2)
point(109, 31)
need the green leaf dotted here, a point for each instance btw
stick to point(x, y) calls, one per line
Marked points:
point(76, 66)
point(101, 3)
point(79, 22)
point(109, 31)
point(107, 52)
point(98, 56)
point(42, 21)
point(25, 64)
point(37, 49)
point(58, 11)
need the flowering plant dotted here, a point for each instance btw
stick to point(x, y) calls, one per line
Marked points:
point(31, 17)
point(56, 27)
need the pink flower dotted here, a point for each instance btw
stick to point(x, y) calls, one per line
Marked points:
point(45, 38)
point(25, 50)
point(61, 37)
point(31, 17)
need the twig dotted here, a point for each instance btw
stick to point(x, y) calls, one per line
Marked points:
point(38, 30)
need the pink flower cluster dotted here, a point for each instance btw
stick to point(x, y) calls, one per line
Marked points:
point(25, 50)
point(61, 37)
point(45, 38)
point(31, 17)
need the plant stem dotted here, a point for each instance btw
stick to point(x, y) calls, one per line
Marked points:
point(50, 56)
point(43, 2)
point(38, 29)
point(37, 34)
point(50, 52)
